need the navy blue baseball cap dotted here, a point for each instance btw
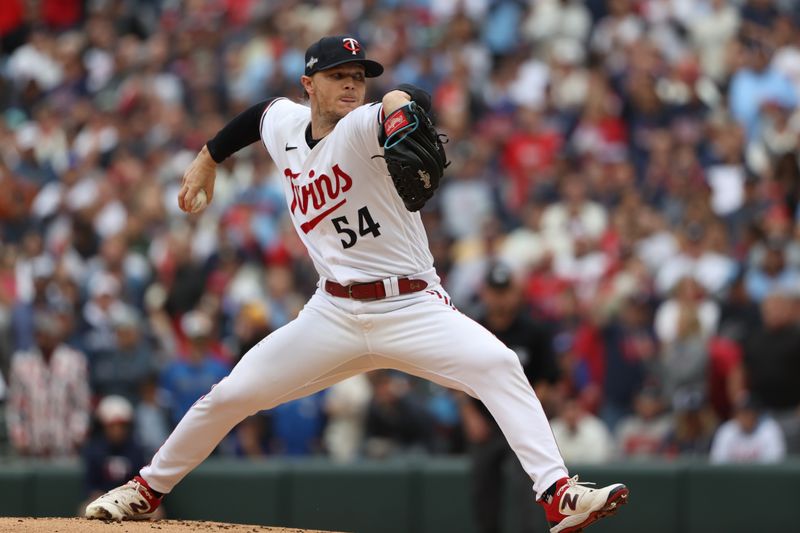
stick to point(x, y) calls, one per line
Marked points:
point(337, 50)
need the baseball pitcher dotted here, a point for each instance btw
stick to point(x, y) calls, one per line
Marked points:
point(355, 176)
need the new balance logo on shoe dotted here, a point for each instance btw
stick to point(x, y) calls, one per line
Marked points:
point(571, 500)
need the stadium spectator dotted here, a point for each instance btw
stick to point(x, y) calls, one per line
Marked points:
point(185, 380)
point(582, 437)
point(755, 84)
point(629, 348)
point(771, 364)
point(98, 312)
point(396, 424)
point(642, 434)
point(749, 437)
point(551, 20)
point(42, 270)
point(48, 394)
point(251, 437)
point(251, 324)
point(772, 274)
point(121, 370)
point(529, 157)
point(712, 270)
point(711, 32)
point(284, 302)
point(113, 455)
point(184, 275)
point(151, 423)
point(297, 426)
point(683, 363)
point(692, 428)
point(346, 407)
point(688, 299)
point(738, 312)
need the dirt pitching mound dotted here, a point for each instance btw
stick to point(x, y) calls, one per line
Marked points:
point(81, 525)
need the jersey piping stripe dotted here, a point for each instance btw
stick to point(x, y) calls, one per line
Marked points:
point(308, 226)
point(261, 122)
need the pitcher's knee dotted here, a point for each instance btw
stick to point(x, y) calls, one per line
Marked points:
point(228, 397)
point(501, 361)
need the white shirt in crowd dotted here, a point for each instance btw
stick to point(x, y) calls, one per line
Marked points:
point(591, 441)
point(712, 270)
point(764, 445)
point(558, 223)
point(668, 314)
point(346, 404)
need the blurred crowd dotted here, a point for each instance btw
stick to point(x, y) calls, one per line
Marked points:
point(633, 164)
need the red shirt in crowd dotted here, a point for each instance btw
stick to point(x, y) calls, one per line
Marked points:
point(11, 16)
point(61, 13)
point(526, 157)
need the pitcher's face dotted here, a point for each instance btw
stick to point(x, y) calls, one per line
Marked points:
point(338, 90)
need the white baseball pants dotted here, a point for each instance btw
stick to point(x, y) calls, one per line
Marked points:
point(335, 338)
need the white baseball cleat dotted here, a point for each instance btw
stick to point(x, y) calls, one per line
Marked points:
point(130, 501)
point(574, 506)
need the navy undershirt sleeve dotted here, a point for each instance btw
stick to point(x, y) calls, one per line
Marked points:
point(243, 130)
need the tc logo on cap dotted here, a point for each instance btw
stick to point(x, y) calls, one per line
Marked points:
point(351, 45)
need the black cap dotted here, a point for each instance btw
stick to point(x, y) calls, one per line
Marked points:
point(499, 276)
point(336, 50)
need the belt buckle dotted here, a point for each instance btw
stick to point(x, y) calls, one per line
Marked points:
point(350, 292)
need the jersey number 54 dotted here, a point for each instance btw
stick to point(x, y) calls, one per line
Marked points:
point(366, 226)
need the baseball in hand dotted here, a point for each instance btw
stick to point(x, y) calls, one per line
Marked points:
point(200, 201)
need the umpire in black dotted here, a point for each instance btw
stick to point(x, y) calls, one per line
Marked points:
point(504, 314)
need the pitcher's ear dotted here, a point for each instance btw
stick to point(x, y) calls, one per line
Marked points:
point(307, 84)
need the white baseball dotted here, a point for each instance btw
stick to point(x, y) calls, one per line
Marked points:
point(200, 201)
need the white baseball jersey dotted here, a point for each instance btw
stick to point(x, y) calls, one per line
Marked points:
point(342, 200)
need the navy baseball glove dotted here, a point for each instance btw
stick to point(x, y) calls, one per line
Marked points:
point(414, 154)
